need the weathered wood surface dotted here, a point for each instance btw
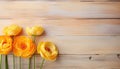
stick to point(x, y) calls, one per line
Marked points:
point(79, 29)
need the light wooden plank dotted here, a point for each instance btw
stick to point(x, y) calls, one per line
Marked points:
point(96, 0)
point(69, 0)
point(15, 9)
point(69, 26)
point(74, 62)
point(72, 44)
point(85, 44)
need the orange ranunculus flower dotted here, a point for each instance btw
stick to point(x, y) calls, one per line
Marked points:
point(47, 50)
point(23, 47)
point(12, 30)
point(5, 44)
point(36, 30)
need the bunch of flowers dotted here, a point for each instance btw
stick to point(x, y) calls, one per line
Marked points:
point(25, 47)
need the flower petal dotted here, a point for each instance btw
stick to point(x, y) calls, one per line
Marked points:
point(12, 30)
point(5, 44)
point(36, 30)
point(47, 50)
point(23, 46)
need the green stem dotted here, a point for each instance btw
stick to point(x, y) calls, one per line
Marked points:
point(13, 55)
point(34, 61)
point(0, 61)
point(41, 65)
point(6, 62)
point(19, 62)
point(33, 37)
point(13, 62)
point(29, 63)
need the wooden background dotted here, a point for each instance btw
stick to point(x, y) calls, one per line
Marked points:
point(87, 32)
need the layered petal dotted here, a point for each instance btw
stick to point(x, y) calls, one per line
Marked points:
point(23, 47)
point(12, 30)
point(35, 30)
point(5, 45)
point(47, 50)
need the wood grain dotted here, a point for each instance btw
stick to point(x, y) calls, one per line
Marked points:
point(15, 9)
point(68, 27)
point(65, 33)
point(85, 44)
point(74, 62)
point(79, 28)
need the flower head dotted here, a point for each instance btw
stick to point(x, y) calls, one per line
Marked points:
point(5, 44)
point(23, 47)
point(47, 50)
point(12, 30)
point(36, 30)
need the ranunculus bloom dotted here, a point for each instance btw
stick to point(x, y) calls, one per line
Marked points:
point(12, 30)
point(47, 50)
point(5, 44)
point(23, 47)
point(36, 30)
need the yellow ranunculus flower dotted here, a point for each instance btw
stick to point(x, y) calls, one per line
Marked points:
point(23, 47)
point(36, 30)
point(5, 45)
point(47, 50)
point(12, 30)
